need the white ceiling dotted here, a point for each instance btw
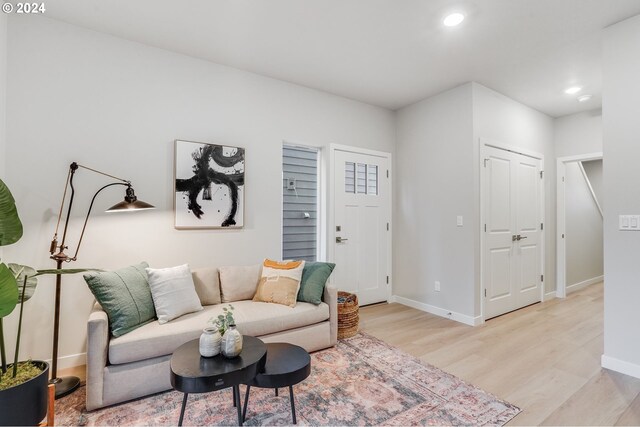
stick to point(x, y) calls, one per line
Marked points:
point(389, 53)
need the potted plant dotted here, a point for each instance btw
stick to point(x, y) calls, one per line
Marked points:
point(23, 384)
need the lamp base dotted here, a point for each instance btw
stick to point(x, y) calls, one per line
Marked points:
point(65, 385)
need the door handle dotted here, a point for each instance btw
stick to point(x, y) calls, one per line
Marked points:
point(519, 237)
point(340, 240)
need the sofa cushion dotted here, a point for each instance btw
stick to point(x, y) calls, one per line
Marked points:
point(239, 283)
point(252, 318)
point(207, 284)
point(314, 277)
point(280, 282)
point(173, 292)
point(125, 296)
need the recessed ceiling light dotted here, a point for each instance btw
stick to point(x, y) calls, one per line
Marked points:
point(453, 19)
point(584, 98)
point(572, 90)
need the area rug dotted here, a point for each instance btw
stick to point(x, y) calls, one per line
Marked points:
point(361, 381)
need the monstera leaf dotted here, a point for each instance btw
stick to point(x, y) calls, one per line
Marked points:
point(10, 225)
point(20, 272)
point(8, 291)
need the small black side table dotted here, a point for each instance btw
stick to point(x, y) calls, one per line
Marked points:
point(192, 373)
point(286, 366)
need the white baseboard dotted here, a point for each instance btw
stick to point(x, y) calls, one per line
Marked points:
point(550, 295)
point(458, 317)
point(71, 361)
point(584, 284)
point(621, 366)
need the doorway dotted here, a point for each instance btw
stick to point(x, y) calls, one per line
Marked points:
point(512, 205)
point(579, 219)
point(361, 238)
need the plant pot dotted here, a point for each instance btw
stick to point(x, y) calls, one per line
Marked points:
point(26, 404)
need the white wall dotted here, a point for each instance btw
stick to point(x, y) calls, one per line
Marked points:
point(3, 91)
point(594, 171)
point(501, 119)
point(434, 182)
point(584, 258)
point(117, 106)
point(621, 130)
point(579, 133)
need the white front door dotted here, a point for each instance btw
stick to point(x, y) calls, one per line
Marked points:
point(361, 237)
point(512, 252)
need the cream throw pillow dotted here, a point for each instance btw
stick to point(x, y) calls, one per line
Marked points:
point(173, 292)
point(280, 282)
point(239, 283)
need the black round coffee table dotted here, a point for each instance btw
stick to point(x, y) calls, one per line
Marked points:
point(192, 373)
point(286, 366)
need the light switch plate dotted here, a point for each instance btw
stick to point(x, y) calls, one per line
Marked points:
point(629, 222)
point(459, 221)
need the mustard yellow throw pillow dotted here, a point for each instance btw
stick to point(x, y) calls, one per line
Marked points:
point(280, 282)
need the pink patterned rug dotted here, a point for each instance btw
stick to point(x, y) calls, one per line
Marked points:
point(361, 381)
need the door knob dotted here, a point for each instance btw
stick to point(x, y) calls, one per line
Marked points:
point(340, 240)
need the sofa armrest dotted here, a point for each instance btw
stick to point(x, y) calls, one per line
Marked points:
point(331, 298)
point(97, 355)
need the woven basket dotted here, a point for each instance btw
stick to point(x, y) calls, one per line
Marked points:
point(348, 317)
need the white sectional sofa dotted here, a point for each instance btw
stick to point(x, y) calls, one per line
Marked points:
point(137, 364)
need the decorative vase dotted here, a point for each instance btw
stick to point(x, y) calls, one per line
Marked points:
point(231, 342)
point(210, 342)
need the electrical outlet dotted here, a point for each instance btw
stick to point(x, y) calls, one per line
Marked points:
point(437, 286)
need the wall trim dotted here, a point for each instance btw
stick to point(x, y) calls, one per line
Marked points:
point(584, 284)
point(621, 366)
point(549, 295)
point(70, 361)
point(458, 317)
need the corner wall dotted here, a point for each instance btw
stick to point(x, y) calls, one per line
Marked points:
point(508, 122)
point(434, 182)
point(118, 106)
point(621, 128)
point(438, 178)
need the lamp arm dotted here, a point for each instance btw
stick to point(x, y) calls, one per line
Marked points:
point(60, 255)
point(101, 173)
point(84, 226)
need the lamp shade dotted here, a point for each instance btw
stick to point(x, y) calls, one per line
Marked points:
point(130, 203)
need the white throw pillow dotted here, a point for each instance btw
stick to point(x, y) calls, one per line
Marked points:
point(239, 283)
point(173, 292)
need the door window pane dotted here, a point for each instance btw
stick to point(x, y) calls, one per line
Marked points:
point(350, 177)
point(372, 179)
point(362, 178)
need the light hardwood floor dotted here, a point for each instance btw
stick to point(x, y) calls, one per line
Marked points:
point(544, 358)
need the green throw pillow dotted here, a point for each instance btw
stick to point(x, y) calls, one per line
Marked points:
point(125, 296)
point(314, 277)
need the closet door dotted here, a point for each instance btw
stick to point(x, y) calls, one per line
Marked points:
point(511, 250)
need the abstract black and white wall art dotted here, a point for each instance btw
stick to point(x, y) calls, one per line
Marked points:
point(209, 185)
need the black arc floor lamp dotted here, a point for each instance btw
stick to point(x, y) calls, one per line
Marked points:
point(66, 385)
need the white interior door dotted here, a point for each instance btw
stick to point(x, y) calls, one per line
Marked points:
point(362, 205)
point(512, 252)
